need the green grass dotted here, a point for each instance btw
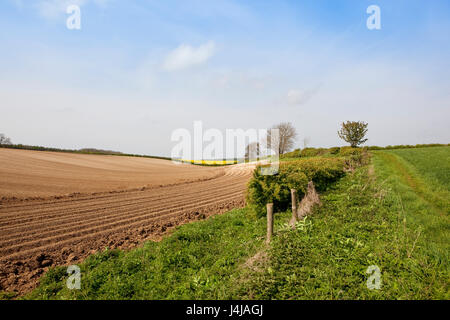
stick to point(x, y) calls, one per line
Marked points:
point(198, 261)
point(426, 171)
point(432, 163)
point(360, 223)
point(385, 217)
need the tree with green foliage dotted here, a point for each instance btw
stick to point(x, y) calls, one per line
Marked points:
point(353, 132)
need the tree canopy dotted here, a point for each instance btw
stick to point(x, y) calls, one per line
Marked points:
point(353, 132)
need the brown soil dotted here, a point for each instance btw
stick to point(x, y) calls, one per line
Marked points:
point(63, 229)
point(28, 174)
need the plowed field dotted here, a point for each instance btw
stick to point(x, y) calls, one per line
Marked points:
point(56, 208)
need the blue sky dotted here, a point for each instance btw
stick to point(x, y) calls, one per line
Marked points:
point(139, 69)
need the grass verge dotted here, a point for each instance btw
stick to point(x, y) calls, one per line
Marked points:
point(198, 261)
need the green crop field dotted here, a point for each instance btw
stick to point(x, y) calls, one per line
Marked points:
point(426, 171)
point(433, 164)
point(391, 213)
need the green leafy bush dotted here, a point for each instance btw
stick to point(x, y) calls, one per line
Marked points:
point(334, 150)
point(312, 152)
point(375, 148)
point(349, 151)
point(263, 189)
point(292, 154)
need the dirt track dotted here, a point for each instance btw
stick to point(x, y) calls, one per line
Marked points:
point(63, 230)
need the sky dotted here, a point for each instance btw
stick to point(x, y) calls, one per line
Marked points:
point(139, 69)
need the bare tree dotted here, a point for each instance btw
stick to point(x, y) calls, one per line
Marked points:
point(4, 139)
point(284, 141)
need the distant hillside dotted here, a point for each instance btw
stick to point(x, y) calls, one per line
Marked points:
point(82, 151)
point(101, 151)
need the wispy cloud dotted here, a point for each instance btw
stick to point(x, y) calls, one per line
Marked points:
point(300, 97)
point(186, 56)
point(52, 9)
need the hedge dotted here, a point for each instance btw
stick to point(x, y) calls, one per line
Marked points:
point(312, 152)
point(348, 151)
point(408, 146)
point(263, 189)
point(345, 151)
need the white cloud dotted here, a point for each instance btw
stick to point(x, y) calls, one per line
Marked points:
point(299, 97)
point(295, 96)
point(186, 56)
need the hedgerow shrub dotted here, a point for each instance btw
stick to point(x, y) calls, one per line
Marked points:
point(263, 189)
point(312, 152)
point(334, 150)
point(348, 151)
point(292, 154)
point(407, 146)
point(375, 148)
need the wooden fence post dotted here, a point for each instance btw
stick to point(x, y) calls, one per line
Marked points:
point(269, 222)
point(294, 206)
